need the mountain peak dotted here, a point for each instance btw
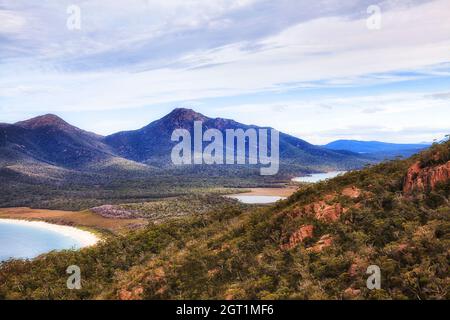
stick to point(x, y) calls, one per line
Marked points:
point(185, 114)
point(44, 121)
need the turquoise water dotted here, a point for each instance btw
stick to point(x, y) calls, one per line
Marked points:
point(317, 177)
point(257, 199)
point(21, 242)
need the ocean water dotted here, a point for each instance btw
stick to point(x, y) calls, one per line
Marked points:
point(317, 177)
point(257, 199)
point(22, 241)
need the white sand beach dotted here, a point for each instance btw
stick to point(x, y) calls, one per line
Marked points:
point(85, 238)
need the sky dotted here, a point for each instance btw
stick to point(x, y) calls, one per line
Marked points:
point(320, 70)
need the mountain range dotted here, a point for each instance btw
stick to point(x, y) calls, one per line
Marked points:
point(52, 142)
point(377, 149)
point(325, 242)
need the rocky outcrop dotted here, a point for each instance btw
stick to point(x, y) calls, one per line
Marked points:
point(326, 212)
point(324, 242)
point(134, 294)
point(357, 267)
point(304, 232)
point(320, 210)
point(325, 209)
point(351, 192)
point(422, 179)
point(351, 293)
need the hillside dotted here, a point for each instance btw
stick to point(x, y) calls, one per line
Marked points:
point(59, 166)
point(49, 139)
point(317, 244)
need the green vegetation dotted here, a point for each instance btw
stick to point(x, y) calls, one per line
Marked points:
point(196, 203)
point(237, 252)
point(439, 154)
point(75, 191)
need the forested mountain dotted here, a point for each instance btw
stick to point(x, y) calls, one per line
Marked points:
point(50, 141)
point(152, 144)
point(317, 244)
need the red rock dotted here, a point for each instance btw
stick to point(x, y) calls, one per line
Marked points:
point(131, 295)
point(351, 192)
point(328, 212)
point(324, 242)
point(357, 267)
point(125, 294)
point(229, 297)
point(321, 210)
point(351, 293)
point(304, 232)
point(420, 179)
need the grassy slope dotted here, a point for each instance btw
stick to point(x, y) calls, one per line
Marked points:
point(232, 253)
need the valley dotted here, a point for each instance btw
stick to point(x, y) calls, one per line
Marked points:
point(316, 244)
point(224, 155)
point(63, 167)
point(185, 232)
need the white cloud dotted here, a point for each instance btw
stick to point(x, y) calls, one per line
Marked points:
point(11, 22)
point(400, 117)
point(151, 52)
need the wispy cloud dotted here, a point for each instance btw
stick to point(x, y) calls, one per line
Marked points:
point(146, 52)
point(390, 117)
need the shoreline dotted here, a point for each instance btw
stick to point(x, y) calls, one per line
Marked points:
point(84, 238)
point(84, 220)
point(285, 191)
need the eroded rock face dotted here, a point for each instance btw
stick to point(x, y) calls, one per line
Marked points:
point(351, 192)
point(304, 232)
point(324, 242)
point(326, 212)
point(421, 179)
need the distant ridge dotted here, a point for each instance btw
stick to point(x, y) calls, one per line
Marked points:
point(376, 148)
point(371, 146)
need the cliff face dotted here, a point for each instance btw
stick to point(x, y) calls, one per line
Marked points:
point(421, 179)
point(329, 209)
point(304, 232)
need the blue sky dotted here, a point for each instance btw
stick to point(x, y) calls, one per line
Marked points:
point(310, 68)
